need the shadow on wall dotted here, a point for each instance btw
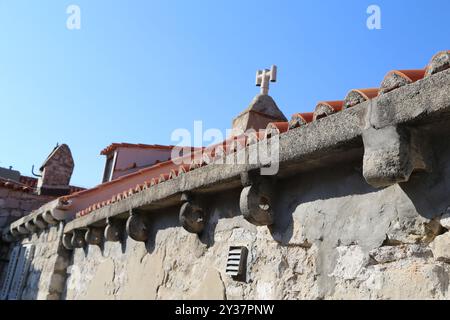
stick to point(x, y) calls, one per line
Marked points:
point(343, 194)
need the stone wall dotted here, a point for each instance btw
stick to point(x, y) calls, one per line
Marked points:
point(47, 273)
point(15, 204)
point(335, 237)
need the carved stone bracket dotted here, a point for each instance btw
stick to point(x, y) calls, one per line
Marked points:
point(137, 226)
point(67, 241)
point(40, 222)
point(114, 230)
point(192, 215)
point(78, 238)
point(48, 217)
point(392, 154)
point(22, 230)
point(94, 236)
point(257, 199)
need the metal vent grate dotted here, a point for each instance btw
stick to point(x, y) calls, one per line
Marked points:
point(236, 263)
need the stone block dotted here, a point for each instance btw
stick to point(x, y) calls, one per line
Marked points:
point(57, 282)
point(391, 154)
point(12, 203)
point(445, 220)
point(3, 222)
point(441, 247)
point(5, 213)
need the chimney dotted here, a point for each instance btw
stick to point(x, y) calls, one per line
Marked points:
point(56, 172)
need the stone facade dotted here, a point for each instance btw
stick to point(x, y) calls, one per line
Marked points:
point(15, 204)
point(359, 209)
point(47, 273)
point(335, 237)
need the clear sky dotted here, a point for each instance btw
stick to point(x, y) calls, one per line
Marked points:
point(138, 69)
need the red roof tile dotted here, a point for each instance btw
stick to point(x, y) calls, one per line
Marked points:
point(300, 119)
point(357, 96)
point(14, 185)
point(114, 146)
point(439, 62)
point(399, 78)
point(276, 128)
point(327, 108)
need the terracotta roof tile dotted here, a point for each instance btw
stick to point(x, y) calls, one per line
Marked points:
point(276, 128)
point(14, 185)
point(300, 119)
point(439, 62)
point(357, 96)
point(398, 78)
point(184, 168)
point(112, 147)
point(327, 108)
point(256, 136)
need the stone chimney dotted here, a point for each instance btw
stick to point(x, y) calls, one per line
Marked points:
point(56, 172)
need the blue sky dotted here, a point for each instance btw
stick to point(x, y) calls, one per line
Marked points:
point(138, 69)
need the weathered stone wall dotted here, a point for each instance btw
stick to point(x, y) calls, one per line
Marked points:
point(334, 237)
point(47, 271)
point(15, 204)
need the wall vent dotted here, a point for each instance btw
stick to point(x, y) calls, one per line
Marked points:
point(237, 262)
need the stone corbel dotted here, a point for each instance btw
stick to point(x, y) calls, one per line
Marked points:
point(14, 232)
point(22, 230)
point(48, 217)
point(192, 215)
point(78, 238)
point(114, 230)
point(30, 226)
point(67, 241)
point(94, 236)
point(392, 154)
point(40, 222)
point(137, 226)
point(257, 197)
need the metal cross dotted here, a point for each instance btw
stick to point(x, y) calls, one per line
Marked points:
point(263, 77)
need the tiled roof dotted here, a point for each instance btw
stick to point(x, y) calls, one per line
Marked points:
point(114, 146)
point(392, 81)
point(15, 185)
point(31, 183)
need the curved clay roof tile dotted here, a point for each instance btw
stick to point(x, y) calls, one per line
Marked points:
point(276, 128)
point(357, 96)
point(398, 78)
point(327, 108)
point(439, 63)
point(300, 119)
